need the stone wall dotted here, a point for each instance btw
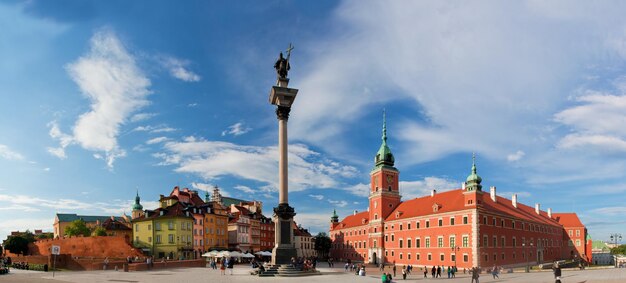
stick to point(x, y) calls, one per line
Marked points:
point(97, 247)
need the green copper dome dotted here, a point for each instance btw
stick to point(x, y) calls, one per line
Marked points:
point(473, 180)
point(335, 217)
point(137, 205)
point(384, 155)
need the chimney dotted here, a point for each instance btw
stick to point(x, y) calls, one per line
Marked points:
point(550, 212)
point(537, 208)
point(514, 200)
point(463, 186)
point(355, 212)
point(433, 192)
point(492, 191)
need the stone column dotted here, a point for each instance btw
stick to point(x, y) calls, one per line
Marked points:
point(283, 97)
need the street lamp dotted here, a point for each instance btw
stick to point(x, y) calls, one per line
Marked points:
point(616, 238)
point(454, 250)
point(526, 255)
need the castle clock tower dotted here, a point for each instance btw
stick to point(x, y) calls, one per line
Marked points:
point(384, 197)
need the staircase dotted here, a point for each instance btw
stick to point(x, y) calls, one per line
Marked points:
point(287, 271)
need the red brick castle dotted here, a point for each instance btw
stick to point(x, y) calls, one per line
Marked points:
point(465, 227)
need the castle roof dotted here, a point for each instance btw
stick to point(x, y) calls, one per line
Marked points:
point(69, 217)
point(354, 220)
point(568, 219)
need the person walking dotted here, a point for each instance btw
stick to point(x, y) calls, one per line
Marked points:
point(389, 278)
point(433, 271)
point(453, 271)
point(425, 272)
point(438, 271)
point(494, 272)
point(394, 270)
point(384, 277)
point(475, 275)
point(449, 270)
point(223, 266)
point(231, 264)
point(557, 272)
point(403, 272)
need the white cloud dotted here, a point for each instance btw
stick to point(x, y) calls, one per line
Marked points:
point(614, 210)
point(361, 189)
point(23, 224)
point(601, 142)
point(154, 129)
point(338, 203)
point(317, 197)
point(157, 140)
point(236, 129)
point(47, 169)
point(413, 189)
point(141, 117)
point(474, 87)
point(192, 104)
point(316, 222)
point(212, 160)
point(245, 189)
point(7, 153)
point(115, 86)
point(515, 156)
point(27, 203)
point(178, 69)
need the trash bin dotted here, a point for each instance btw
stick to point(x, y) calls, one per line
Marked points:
point(45, 267)
point(125, 267)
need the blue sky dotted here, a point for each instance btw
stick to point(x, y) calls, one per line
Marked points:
point(100, 99)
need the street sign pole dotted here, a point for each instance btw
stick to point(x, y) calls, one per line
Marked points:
point(54, 263)
point(55, 251)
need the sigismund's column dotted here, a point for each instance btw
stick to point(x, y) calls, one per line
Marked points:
point(283, 97)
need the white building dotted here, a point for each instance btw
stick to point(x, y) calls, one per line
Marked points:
point(304, 242)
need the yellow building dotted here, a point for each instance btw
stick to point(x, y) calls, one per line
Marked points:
point(166, 232)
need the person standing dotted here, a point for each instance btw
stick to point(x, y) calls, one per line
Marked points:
point(231, 264)
point(403, 272)
point(384, 277)
point(223, 266)
point(433, 271)
point(389, 278)
point(106, 263)
point(449, 270)
point(394, 270)
point(453, 272)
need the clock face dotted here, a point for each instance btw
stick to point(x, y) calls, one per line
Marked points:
point(389, 179)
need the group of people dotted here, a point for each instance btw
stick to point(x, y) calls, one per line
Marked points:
point(5, 262)
point(436, 271)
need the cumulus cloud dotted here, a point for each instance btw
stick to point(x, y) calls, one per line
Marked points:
point(7, 153)
point(115, 86)
point(19, 202)
point(178, 69)
point(338, 203)
point(141, 117)
point(317, 197)
point(157, 140)
point(236, 129)
point(244, 189)
point(420, 188)
point(474, 86)
point(213, 159)
point(515, 156)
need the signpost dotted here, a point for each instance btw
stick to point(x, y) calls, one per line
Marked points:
point(55, 251)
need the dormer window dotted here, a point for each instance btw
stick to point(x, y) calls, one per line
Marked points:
point(435, 207)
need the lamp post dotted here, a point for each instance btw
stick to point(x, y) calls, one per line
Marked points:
point(454, 250)
point(616, 238)
point(525, 255)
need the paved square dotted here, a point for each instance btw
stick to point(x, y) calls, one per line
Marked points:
point(329, 275)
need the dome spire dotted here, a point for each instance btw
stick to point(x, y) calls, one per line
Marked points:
point(334, 218)
point(384, 155)
point(137, 205)
point(473, 180)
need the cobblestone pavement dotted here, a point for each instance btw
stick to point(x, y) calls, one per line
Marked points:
point(329, 275)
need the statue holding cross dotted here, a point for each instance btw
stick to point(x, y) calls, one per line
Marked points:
point(282, 64)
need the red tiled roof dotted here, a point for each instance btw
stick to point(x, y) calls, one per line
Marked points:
point(176, 209)
point(354, 220)
point(447, 201)
point(454, 200)
point(568, 219)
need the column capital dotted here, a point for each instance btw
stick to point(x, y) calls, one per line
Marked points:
point(284, 211)
point(282, 112)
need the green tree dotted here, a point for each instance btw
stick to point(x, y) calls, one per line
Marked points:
point(99, 231)
point(621, 249)
point(322, 244)
point(16, 244)
point(76, 228)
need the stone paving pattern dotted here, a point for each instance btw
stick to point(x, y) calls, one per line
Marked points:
point(330, 275)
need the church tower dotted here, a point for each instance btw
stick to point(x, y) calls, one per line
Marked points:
point(384, 196)
point(137, 207)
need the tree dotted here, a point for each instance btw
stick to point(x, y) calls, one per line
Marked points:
point(621, 249)
point(76, 228)
point(322, 244)
point(99, 231)
point(16, 244)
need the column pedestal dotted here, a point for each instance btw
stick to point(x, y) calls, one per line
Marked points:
point(284, 249)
